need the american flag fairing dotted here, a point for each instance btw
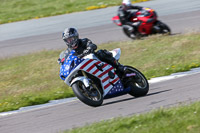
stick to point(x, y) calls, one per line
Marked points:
point(110, 85)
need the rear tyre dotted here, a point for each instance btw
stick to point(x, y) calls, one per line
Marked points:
point(139, 84)
point(90, 96)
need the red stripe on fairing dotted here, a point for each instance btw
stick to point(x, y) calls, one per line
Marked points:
point(105, 72)
point(84, 65)
point(104, 65)
point(115, 80)
point(96, 71)
point(90, 68)
point(106, 86)
point(105, 79)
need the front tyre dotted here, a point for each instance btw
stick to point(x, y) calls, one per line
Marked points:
point(138, 83)
point(90, 96)
point(164, 28)
point(131, 35)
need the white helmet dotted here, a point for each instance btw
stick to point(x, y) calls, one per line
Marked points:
point(126, 2)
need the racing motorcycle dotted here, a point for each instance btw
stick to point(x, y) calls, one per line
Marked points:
point(92, 80)
point(149, 24)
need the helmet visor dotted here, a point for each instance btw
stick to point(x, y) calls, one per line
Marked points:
point(71, 42)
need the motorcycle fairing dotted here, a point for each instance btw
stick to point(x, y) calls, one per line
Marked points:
point(116, 20)
point(116, 53)
point(72, 64)
point(69, 64)
point(117, 90)
point(147, 16)
point(92, 66)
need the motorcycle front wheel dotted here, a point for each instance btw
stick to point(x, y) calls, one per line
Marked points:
point(90, 96)
point(164, 28)
point(131, 35)
point(138, 83)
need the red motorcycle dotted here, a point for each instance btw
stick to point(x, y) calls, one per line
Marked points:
point(148, 24)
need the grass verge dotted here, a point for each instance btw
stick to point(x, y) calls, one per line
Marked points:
point(34, 78)
point(18, 10)
point(182, 119)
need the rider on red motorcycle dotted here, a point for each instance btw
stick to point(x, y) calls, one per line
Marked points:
point(85, 46)
point(124, 13)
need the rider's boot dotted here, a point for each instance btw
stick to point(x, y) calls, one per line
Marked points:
point(120, 68)
point(129, 28)
point(133, 29)
point(136, 25)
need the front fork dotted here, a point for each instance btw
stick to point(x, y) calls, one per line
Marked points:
point(156, 28)
point(84, 79)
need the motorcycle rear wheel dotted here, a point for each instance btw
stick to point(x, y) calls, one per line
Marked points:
point(139, 84)
point(91, 97)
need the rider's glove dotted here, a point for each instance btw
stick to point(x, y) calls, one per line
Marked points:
point(80, 55)
point(86, 52)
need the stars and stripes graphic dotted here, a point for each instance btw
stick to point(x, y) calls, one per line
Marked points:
point(117, 88)
point(94, 67)
point(90, 66)
point(70, 63)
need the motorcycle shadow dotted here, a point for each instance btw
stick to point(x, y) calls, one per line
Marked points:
point(131, 98)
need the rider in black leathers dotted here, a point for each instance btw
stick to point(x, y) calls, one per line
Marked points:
point(85, 46)
point(125, 14)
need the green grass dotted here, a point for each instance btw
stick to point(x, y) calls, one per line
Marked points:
point(34, 78)
point(30, 80)
point(182, 119)
point(18, 10)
